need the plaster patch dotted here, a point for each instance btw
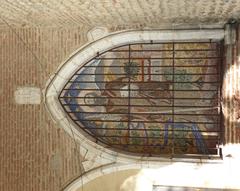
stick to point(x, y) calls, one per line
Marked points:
point(56, 161)
point(97, 33)
point(27, 95)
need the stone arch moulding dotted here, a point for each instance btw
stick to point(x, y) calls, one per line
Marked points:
point(85, 54)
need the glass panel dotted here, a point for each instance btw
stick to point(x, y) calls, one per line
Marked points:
point(149, 99)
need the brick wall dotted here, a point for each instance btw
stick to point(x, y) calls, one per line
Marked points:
point(34, 153)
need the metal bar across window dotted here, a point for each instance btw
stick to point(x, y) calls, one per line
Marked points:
point(150, 98)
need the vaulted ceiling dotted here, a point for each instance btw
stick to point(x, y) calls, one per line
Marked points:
point(117, 13)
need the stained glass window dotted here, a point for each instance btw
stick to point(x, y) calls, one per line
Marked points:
point(150, 99)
